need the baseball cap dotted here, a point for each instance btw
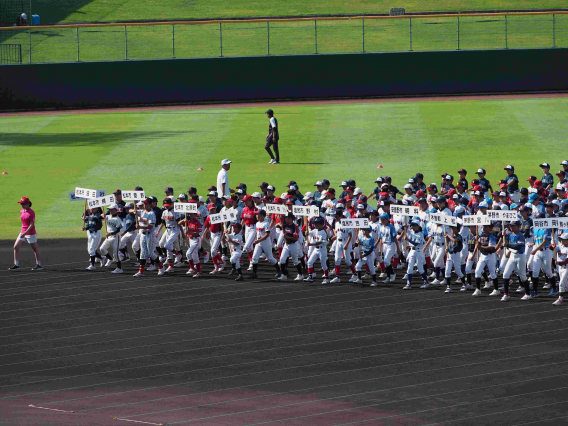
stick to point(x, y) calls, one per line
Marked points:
point(495, 193)
point(411, 180)
point(269, 111)
point(357, 191)
point(211, 206)
point(139, 188)
point(344, 183)
point(153, 199)
point(129, 206)
point(212, 193)
point(537, 182)
point(325, 182)
point(515, 223)
point(118, 191)
point(113, 206)
point(420, 194)
point(531, 179)
point(483, 205)
point(24, 200)
point(525, 208)
point(434, 199)
point(384, 216)
point(225, 161)
point(462, 171)
point(263, 185)
point(533, 197)
point(247, 198)
point(556, 202)
point(564, 236)
point(442, 199)
point(459, 210)
point(544, 165)
point(564, 163)
point(261, 211)
point(513, 206)
point(509, 167)
point(379, 180)
point(330, 191)
point(419, 176)
point(449, 177)
point(291, 183)
point(293, 188)
point(270, 188)
point(489, 201)
point(241, 186)
point(559, 187)
point(212, 188)
point(256, 195)
point(422, 200)
point(339, 206)
point(241, 191)
point(168, 189)
point(360, 207)
point(140, 203)
point(561, 173)
point(481, 171)
point(318, 183)
point(148, 200)
point(308, 195)
point(407, 186)
point(192, 190)
point(502, 194)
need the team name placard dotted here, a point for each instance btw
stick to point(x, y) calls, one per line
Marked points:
point(228, 216)
point(508, 215)
point(405, 210)
point(442, 219)
point(305, 210)
point(82, 193)
point(101, 201)
point(355, 223)
point(185, 207)
point(133, 195)
point(475, 220)
point(276, 209)
point(551, 223)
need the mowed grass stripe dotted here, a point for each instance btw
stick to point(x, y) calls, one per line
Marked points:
point(336, 141)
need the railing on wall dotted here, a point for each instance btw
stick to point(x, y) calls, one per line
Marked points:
point(291, 36)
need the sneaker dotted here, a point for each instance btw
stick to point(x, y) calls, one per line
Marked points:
point(215, 271)
point(448, 290)
point(405, 277)
point(14, 268)
point(374, 284)
point(276, 162)
point(240, 278)
point(272, 161)
point(520, 289)
point(546, 286)
point(463, 288)
point(488, 284)
point(90, 268)
point(393, 277)
point(495, 293)
point(191, 271)
point(161, 271)
point(325, 281)
point(558, 302)
point(178, 258)
point(138, 274)
point(101, 261)
point(151, 268)
point(170, 269)
point(300, 277)
point(460, 281)
point(37, 268)
point(198, 275)
point(425, 285)
point(358, 281)
point(477, 293)
point(502, 288)
point(443, 282)
point(432, 275)
point(526, 297)
point(282, 277)
point(250, 267)
point(108, 263)
point(365, 276)
point(383, 275)
point(388, 280)
point(353, 278)
point(407, 287)
point(117, 271)
point(436, 282)
point(221, 267)
point(534, 294)
point(162, 259)
point(505, 298)
point(554, 292)
point(336, 280)
point(331, 272)
point(308, 279)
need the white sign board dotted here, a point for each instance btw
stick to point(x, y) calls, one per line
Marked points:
point(305, 210)
point(405, 210)
point(551, 223)
point(276, 209)
point(442, 219)
point(85, 193)
point(475, 220)
point(185, 207)
point(228, 216)
point(101, 201)
point(355, 223)
point(507, 215)
point(74, 197)
point(133, 195)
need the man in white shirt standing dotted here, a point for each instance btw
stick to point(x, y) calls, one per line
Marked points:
point(223, 179)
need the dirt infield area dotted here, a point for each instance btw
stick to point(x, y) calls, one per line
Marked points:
point(295, 102)
point(94, 348)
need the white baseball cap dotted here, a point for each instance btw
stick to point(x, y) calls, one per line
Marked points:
point(502, 194)
point(284, 195)
point(113, 206)
point(256, 195)
point(564, 236)
point(339, 206)
point(308, 195)
point(225, 161)
point(408, 186)
point(357, 191)
point(270, 188)
point(564, 163)
point(560, 186)
point(201, 199)
point(140, 203)
point(319, 183)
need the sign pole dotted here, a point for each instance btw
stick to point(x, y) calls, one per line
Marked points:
point(84, 213)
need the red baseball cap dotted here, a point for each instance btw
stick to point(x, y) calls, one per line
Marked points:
point(477, 188)
point(211, 206)
point(537, 183)
point(277, 200)
point(532, 179)
point(24, 200)
point(247, 198)
point(420, 194)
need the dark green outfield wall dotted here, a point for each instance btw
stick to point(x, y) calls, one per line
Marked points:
point(231, 79)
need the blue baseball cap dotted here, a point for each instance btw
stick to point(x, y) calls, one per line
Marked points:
point(459, 210)
point(483, 205)
point(514, 206)
point(489, 201)
point(433, 211)
point(533, 197)
point(384, 216)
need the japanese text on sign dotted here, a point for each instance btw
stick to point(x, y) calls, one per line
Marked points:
point(476, 220)
point(355, 223)
point(442, 219)
point(133, 195)
point(502, 215)
point(405, 210)
point(185, 207)
point(276, 209)
point(551, 223)
point(228, 216)
point(305, 210)
point(101, 201)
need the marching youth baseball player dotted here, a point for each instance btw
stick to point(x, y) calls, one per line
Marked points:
point(194, 232)
point(471, 243)
point(128, 234)
point(454, 249)
point(388, 246)
point(514, 247)
point(93, 225)
point(109, 247)
point(28, 233)
point(248, 221)
point(171, 222)
point(262, 243)
point(317, 240)
point(367, 256)
point(562, 264)
point(343, 238)
point(214, 232)
point(415, 236)
point(235, 241)
point(146, 230)
point(136, 242)
point(542, 259)
point(487, 246)
point(291, 248)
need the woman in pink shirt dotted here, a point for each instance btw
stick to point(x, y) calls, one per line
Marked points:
point(28, 233)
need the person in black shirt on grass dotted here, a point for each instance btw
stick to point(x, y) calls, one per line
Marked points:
point(484, 183)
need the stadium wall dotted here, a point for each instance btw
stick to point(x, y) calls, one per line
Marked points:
point(98, 84)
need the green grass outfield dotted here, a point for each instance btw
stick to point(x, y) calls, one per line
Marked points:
point(47, 156)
